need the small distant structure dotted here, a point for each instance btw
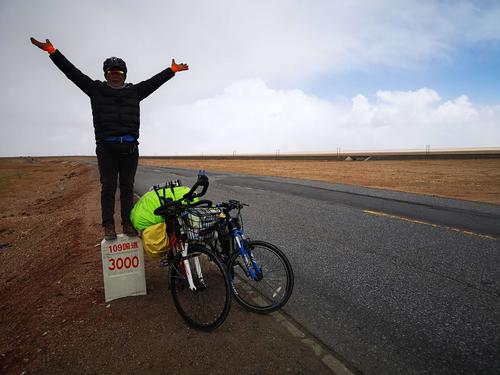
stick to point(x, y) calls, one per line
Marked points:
point(357, 158)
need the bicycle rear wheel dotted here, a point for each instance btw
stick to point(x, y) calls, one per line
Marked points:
point(207, 306)
point(271, 285)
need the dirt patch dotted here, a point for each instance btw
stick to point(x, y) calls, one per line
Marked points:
point(53, 318)
point(472, 179)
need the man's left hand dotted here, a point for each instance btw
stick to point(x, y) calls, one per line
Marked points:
point(178, 67)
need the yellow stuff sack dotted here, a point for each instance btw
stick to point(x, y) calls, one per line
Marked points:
point(155, 240)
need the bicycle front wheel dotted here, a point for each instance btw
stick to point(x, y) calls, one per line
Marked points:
point(265, 283)
point(204, 303)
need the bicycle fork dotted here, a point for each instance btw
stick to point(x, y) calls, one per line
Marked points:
point(187, 268)
point(252, 268)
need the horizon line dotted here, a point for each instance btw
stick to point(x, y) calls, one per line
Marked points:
point(339, 152)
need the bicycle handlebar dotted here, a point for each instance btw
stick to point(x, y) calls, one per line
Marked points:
point(203, 202)
point(202, 181)
point(232, 204)
point(169, 204)
point(171, 207)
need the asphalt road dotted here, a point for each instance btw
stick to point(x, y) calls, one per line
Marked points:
point(394, 283)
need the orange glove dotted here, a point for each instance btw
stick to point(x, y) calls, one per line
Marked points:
point(47, 46)
point(178, 67)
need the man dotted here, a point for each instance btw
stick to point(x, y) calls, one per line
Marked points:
point(115, 111)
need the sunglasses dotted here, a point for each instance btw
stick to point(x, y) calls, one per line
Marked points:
point(115, 71)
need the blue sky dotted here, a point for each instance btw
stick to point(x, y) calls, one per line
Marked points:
point(285, 74)
point(473, 71)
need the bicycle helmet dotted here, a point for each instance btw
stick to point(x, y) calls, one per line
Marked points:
point(114, 62)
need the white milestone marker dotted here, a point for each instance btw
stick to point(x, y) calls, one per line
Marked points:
point(123, 267)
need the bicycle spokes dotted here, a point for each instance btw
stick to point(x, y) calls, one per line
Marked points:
point(202, 294)
point(262, 277)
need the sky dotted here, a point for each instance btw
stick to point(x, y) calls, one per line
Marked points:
point(265, 76)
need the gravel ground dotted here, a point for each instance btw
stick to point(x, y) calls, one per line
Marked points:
point(53, 318)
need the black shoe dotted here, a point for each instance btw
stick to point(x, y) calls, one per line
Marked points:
point(109, 232)
point(129, 229)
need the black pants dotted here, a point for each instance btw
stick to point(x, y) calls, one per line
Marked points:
point(117, 160)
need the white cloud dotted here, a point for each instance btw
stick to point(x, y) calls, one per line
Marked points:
point(458, 111)
point(250, 117)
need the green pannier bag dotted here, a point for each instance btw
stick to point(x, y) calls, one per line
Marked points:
point(142, 215)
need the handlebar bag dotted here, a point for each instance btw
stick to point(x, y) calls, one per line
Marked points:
point(142, 215)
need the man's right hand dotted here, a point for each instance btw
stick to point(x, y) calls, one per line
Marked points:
point(47, 46)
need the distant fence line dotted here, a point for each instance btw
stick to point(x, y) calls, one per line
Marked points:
point(355, 156)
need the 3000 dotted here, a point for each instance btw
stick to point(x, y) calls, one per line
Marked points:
point(123, 263)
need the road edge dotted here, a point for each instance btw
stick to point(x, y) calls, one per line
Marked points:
point(332, 360)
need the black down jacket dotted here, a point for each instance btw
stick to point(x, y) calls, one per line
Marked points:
point(115, 111)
